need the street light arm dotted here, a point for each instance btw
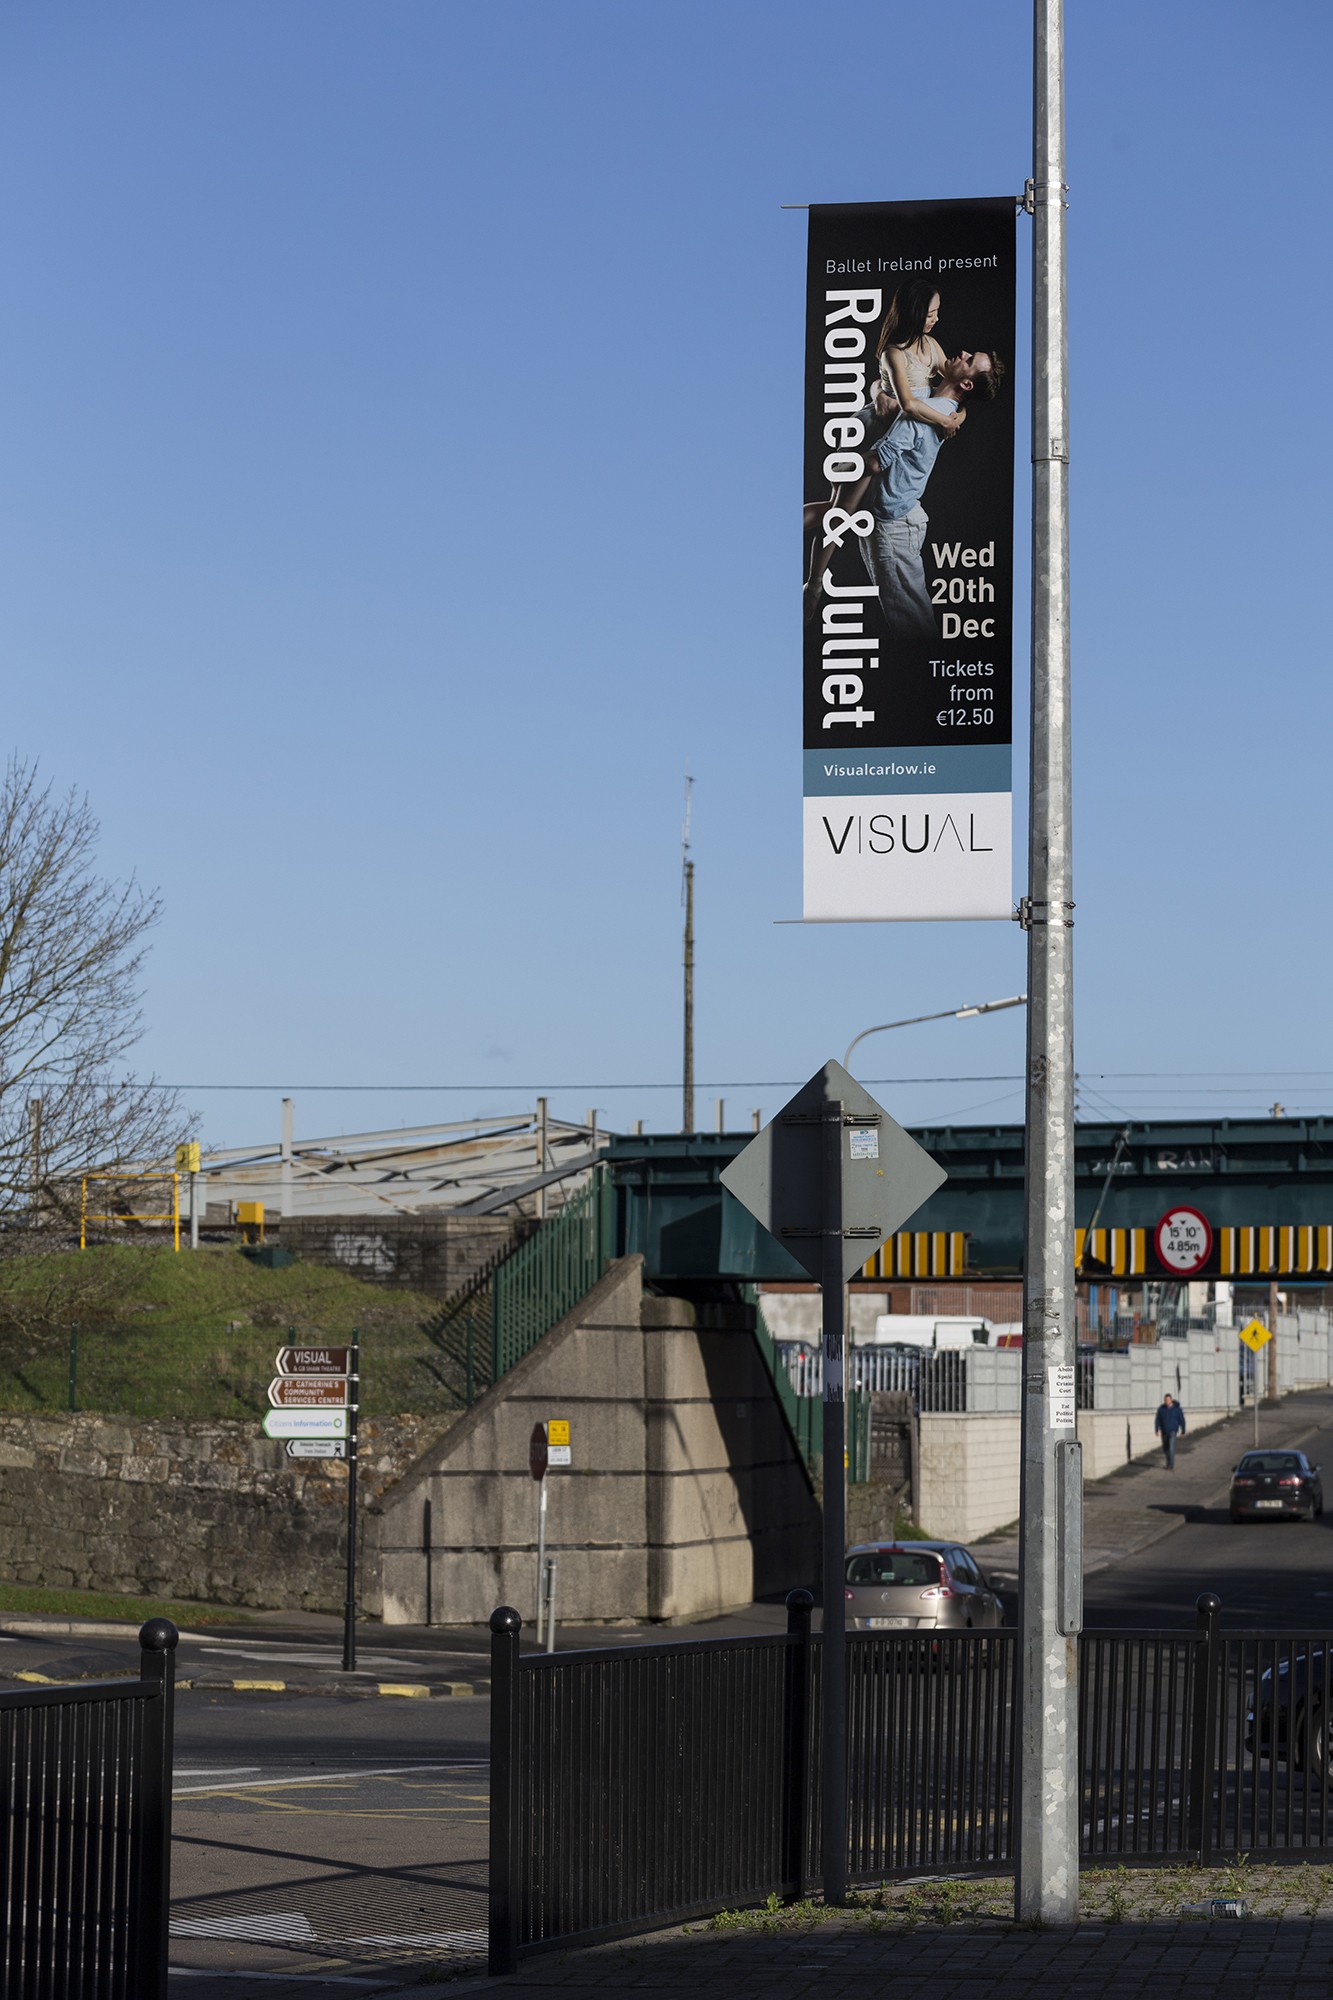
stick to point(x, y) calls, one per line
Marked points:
point(949, 1014)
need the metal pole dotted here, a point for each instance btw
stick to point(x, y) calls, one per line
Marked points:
point(552, 1564)
point(158, 1640)
point(542, 1158)
point(349, 1609)
point(834, 1666)
point(1050, 1585)
point(194, 1211)
point(541, 1556)
point(687, 1103)
point(1271, 1356)
point(288, 1134)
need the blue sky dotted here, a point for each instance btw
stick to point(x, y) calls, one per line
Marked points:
point(401, 459)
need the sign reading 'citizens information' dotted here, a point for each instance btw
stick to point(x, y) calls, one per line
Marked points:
point(908, 599)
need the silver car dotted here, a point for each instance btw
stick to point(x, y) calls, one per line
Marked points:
point(904, 1586)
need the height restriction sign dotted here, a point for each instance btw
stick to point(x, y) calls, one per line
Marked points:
point(1184, 1241)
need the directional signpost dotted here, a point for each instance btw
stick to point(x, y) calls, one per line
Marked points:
point(832, 1177)
point(313, 1400)
point(309, 1392)
point(308, 1423)
point(1255, 1335)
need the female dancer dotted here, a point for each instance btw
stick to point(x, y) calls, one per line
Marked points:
point(908, 357)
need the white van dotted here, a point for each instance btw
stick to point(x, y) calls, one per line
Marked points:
point(924, 1330)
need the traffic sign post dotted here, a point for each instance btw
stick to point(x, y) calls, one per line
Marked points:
point(314, 1398)
point(538, 1460)
point(832, 1177)
point(1255, 1336)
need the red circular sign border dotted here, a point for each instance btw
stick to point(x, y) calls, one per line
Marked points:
point(1183, 1208)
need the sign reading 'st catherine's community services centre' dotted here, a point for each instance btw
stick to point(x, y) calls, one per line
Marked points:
point(909, 448)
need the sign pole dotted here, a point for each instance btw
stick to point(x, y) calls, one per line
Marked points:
point(349, 1610)
point(834, 1666)
point(1051, 1572)
point(541, 1557)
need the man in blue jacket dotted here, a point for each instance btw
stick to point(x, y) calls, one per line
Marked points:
point(1169, 1425)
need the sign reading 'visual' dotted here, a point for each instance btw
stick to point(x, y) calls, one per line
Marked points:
point(908, 544)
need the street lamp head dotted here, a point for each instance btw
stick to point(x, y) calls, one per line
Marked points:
point(949, 1014)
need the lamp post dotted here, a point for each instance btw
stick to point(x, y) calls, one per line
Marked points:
point(949, 1014)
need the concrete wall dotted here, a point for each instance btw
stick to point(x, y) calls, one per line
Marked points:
point(214, 1511)
point(970, 1463)
point(686, 1496)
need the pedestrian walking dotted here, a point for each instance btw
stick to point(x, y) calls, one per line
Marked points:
point(1169, 1424)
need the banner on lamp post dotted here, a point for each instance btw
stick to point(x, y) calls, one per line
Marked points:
point(908, 597)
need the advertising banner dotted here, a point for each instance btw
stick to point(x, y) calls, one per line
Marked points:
point(908, 543)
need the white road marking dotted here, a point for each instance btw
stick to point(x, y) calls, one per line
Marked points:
point(318, 1778)
point(316, 1980)
point(219, 1771)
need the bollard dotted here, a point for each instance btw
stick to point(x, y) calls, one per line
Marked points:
point(158, 1640)
point(502, 1946)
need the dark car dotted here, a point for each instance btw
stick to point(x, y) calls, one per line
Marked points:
point(1285, 1718)
point(912, 1586)
point(1281, 1483)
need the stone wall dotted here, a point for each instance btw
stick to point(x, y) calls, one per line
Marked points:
point(213, 1511)
point(686, 1495)
point(423, 1253)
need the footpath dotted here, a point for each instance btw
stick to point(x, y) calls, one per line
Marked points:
point(1144, 1502)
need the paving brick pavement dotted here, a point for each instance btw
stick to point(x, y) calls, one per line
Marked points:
point(1269, 1959)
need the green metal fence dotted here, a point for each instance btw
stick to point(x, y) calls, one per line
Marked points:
point(803, 1412)
point(532, 1290)
point(197, 1371)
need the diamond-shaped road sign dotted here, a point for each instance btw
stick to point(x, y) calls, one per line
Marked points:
point(886, 1176)
point(1255, 1335)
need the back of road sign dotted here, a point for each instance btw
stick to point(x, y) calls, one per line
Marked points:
point(886, 1176)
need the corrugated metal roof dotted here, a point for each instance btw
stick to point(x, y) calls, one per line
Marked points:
point(482, 1166)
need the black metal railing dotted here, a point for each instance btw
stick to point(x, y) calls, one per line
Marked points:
point(645, 1785)
point(85, 1833)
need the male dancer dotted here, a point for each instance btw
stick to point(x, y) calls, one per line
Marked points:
point(900, 464)
point(905, 457)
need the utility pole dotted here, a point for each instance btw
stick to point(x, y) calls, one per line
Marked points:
point(1050, 1581)
point(542, 1160)
point(288, 1136)
point(687, 897)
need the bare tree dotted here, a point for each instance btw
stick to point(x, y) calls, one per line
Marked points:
point(71, 951)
